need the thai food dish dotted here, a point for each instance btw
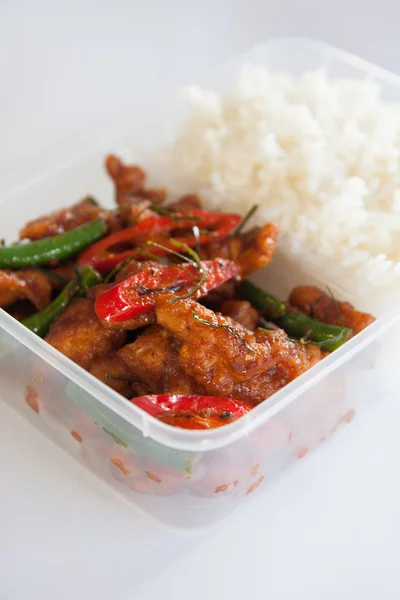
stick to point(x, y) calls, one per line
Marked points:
point(155, 299)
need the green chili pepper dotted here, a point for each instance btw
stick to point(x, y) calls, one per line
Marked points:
point(87, 278)
point(262, 300)
point(295, 323)
point(327, 337)
point(55, 248)
point(40, 322)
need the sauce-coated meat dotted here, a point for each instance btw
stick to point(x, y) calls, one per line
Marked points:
point(112, 371)
point(131, 214)
point(78, 334)
point(154, 359)
point(292, 359)
point(151, 336)
point(29, 284)
point(130, 183)
point(215, 350)
point(242, 312)
point(251, 251)
point(187, 203)
point(323, 307)
point(68, 218)
point(226, 358)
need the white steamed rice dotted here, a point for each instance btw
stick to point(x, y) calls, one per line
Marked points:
point(320, 157)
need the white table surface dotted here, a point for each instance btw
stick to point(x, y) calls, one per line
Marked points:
point(330, 528)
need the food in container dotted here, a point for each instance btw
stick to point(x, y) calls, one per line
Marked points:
point(204, 473)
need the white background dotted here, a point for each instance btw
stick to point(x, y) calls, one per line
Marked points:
point(330, 528)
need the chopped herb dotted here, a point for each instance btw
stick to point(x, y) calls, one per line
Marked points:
point(53, 276)
point(117, 378)
point(336, 306)
point(165, 376)
point(227, 327)
point(244, 221)
point(182, 256)
point(195, 261)
point(173, 214)
point(314, 306)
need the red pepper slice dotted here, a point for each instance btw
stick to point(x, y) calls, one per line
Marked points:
point(192, 412)
point(136, 295)
point(103, 259)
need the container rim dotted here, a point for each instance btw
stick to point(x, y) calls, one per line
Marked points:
point(181, 439)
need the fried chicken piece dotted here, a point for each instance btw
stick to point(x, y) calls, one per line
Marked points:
point(78, 334)
point(242, 312)
point(251, 251)
point(135, 209)
point(30, 284)
point(130, 183)
point(259, 246)
point(134, 323)
point(61, 274)
point(322, 307)
point(98, 289)
point(128, 179)
point(228, 248)
point(154, 359)
point(215, 350)
point(261, 387)
point(229, 360)
point(112, 371)
point(135, 213)
point(187, 203)
point(216, 297)
point(293, 360)
point(133, 268)
point(69, 218)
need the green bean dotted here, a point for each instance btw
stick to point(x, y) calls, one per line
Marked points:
point(40, 322)
point(52, 249)
point(295, 323)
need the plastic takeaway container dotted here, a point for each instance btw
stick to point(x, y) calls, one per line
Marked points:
point(187, 479)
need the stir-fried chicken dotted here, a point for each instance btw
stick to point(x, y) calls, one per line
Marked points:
point(149, 336)
point(154, 359)
point(29, 284)
point(251, 251)
point(131, 214)
point(130, 183)
point(61, 274)
point(187, 203)
point(78, 334)
point(292, 359)
point(242, 312)
point(225, 358)
point(133, 268)
point(323, 307)
point(69, 218)
point(112, 371)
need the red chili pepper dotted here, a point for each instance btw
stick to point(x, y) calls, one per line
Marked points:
point(192, 412)
point(136, 295)
point(102, 257)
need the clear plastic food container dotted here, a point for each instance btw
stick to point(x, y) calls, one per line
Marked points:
point(188, 479)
